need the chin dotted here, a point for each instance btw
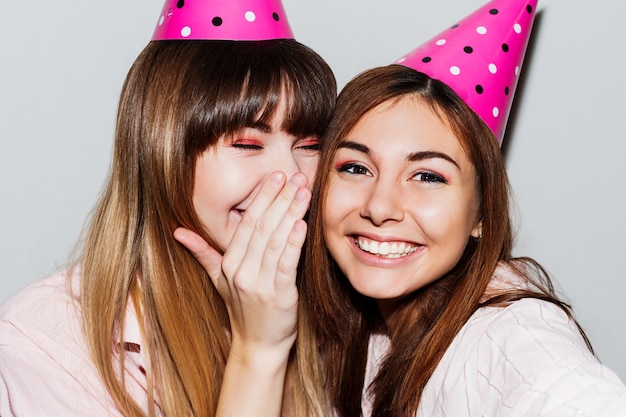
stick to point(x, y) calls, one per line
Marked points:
point(378, 292)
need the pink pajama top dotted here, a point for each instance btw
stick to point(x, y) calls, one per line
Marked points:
point(526, 359)
point(45, 366)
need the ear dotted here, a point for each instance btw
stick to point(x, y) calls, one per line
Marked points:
point(477, 230)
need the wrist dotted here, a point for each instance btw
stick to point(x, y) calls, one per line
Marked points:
point(259, 358)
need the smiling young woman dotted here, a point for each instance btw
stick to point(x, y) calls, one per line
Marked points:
point(419, 307)
point(401, 202)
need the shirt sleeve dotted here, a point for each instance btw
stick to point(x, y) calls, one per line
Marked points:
point(44, 364)
point(535, 363)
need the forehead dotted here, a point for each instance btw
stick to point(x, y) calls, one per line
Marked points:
point(404, 126)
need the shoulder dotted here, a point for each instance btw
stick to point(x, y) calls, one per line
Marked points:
point(522, 339)
point(546, 362)
point(44, 355)
point(526, 327)
point(525, 359)
point(43, 318)
point(539, 327)
point(40, 306)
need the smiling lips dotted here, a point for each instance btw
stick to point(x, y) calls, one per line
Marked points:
point(385, 249)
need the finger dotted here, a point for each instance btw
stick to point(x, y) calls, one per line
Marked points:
point(282, 252)
point(237, 247)
point(268, 212)
point(287, 269)
point(209, 258)
point(250, 243)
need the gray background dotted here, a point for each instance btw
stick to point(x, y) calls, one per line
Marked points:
point(63, 63)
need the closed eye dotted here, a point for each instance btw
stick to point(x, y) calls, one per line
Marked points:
point(247, 145)
point(309, 145)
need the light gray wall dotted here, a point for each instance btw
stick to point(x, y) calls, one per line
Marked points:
point(62, 66)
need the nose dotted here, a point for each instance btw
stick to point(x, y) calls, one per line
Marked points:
point(287, 162)
point(384, 202)
point(291, 166)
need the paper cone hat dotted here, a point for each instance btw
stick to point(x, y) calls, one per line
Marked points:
point(480, 58)
point(237, 20)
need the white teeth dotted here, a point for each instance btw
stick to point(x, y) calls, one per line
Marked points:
point(385, 249)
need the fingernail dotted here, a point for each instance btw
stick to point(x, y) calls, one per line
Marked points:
point(301, 195)
point(298, 180)
point(277, 178)
point(300, 227)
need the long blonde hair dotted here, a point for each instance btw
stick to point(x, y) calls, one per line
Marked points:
point(178, 99)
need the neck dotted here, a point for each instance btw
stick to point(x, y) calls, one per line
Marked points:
point(387, 308)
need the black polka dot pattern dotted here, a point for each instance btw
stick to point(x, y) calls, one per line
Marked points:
point(480, 57)
point(223, 19)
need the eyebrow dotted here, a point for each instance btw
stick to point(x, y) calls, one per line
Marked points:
point(412, 157)
point(354, 146)
point(419, 156)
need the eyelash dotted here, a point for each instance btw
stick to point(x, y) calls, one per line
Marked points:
point(351, 167)
point(430, 177)
point(253, 147)
point(426, 177)
point(311, 147)
point(247, 146)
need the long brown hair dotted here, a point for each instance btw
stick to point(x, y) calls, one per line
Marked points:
point(178, 99)
point(427, 321)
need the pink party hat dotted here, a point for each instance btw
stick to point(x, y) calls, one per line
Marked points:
point(237, 20)
point(480, 58)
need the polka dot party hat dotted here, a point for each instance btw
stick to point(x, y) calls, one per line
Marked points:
point(237, 20)
point(480, 58)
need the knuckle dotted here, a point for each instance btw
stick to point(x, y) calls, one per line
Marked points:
point(240, 285)
point(286, 195)
point(229, 272)
point(243, 285)
point(287, 267)
point(274, 244)
point(296, 211)
point(262, 226)
point(248, 219)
